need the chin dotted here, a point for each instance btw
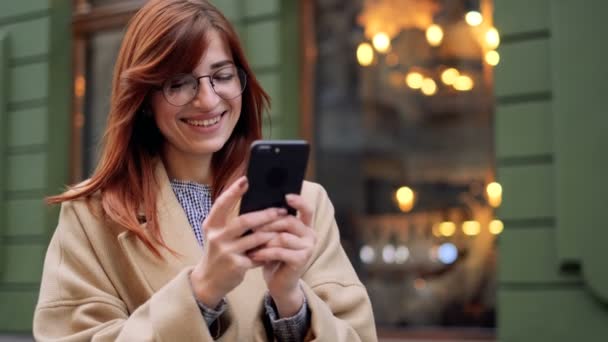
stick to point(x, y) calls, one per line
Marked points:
point(208, 147)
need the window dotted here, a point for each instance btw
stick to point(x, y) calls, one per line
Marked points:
point(98, 31)
point(404, 105)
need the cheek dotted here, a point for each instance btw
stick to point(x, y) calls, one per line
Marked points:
point(236, 105)
point(163, 115)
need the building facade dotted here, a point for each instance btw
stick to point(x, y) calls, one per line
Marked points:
point(548, 126)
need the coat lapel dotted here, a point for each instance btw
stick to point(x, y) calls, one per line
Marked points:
point(176, 232)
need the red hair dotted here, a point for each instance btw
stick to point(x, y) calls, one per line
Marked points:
point(165, 37)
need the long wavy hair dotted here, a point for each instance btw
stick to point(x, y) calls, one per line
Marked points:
point(165, 37)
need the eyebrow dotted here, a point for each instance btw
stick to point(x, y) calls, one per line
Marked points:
point(221, 64)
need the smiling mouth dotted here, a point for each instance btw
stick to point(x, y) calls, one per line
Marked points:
point(204, 123)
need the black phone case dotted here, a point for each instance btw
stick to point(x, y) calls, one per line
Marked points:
point(276, 168)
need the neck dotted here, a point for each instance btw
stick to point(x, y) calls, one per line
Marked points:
point(187, 167)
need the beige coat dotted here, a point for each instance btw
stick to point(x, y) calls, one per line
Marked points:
point(101, 283)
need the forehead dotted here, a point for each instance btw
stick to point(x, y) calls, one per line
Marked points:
point(217, 51)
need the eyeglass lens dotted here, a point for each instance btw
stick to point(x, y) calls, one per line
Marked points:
point(227, 83)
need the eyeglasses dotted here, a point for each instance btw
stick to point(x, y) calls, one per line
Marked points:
point(227, 82)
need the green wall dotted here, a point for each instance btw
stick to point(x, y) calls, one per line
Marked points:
point(550, 155)
point(34, 114)
point(550, 161)
point(269, 31)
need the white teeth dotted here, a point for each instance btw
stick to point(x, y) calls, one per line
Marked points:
point(204, 123)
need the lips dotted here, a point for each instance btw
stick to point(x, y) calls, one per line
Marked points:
point(203, 122)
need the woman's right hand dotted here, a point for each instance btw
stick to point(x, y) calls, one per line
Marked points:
point(224, 262)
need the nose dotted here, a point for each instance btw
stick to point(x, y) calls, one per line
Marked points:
point(206, 98)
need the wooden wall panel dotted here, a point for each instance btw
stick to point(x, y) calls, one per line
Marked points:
point(523, 130)
point(11, 9)
point(524, 68)
point(528, 256)
point(580, 122)
point(25, 217)
point(521, 16)
point(550, 314)
point(29, 38)
point(27, 172)
point(28, 127)
point(17, 310)
point(528, 192)
point(29, 82)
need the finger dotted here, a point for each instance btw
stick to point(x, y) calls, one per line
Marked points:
point(288, 224)
point(298, 203)
point(287, 256)
point(247, 263)
point(251, 241)
point(226, 202)
point(287, 241)
point(257, 263)
point(241, 224)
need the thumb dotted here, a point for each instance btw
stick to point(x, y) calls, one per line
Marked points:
point(226, 202)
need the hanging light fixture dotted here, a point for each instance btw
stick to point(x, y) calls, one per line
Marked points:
point(449, 76)
point(496, 227)
point(429, 87)
point(434, 35)
point(494, 192)
point(492, 38)
point(471, 228)
point(447, 228)
point(492, 57)
point(473, 16)
point(414, 80)
point(463, 83)
point(365, 54)
point(381, 42)
point(405, 198)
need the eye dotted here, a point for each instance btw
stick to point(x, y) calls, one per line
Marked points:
point(179, 82)
point(224, 75)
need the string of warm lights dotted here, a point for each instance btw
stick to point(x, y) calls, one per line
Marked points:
point(377, 17)
point(445, 253)
point(406, 197)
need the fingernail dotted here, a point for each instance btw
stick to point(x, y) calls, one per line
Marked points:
point(282, 211)
point(243, 182)
point(290, 197)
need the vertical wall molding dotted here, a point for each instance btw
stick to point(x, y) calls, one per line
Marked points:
point(290, 55)
point(4, 74)
point(59, 103)
point(580, 121)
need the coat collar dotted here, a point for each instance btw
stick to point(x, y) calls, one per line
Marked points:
point(176, 232)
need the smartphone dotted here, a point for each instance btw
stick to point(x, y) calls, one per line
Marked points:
point(276, 168)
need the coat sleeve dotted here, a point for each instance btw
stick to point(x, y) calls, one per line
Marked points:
point(79, 303)
point(340, 307)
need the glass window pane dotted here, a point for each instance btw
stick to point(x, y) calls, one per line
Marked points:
point(404, 105)
point(102, 50)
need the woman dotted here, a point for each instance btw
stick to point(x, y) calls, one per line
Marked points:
point(151, 247)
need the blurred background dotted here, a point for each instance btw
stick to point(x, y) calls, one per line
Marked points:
point(460, 142)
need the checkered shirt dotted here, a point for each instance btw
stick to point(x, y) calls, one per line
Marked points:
point(196, 200)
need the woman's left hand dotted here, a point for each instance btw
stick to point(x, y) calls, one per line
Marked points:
point(286, 256)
